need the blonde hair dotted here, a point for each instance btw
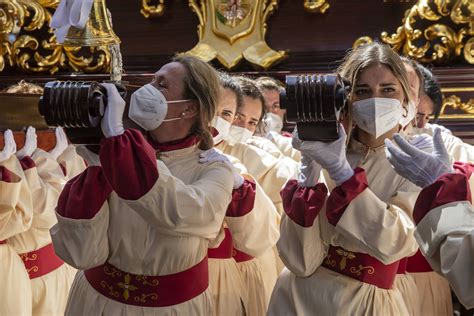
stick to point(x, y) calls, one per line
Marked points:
point(369, 55)
point(201, 82)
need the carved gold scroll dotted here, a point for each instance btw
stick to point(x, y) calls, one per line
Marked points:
point(28, 44)
point(437, 31)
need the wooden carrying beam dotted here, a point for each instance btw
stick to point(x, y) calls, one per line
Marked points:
point(18, 111)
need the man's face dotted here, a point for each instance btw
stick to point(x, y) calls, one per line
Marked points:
point(425, 110)
point(272, 100)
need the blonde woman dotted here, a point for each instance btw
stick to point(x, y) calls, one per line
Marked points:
point(342, 243)
point(139, 226)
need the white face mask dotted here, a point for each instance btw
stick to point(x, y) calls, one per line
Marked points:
point(377, 115)
point(273, 123)
point(238, 134)
point(411, 113)
point(148, 107)
point(223, 127)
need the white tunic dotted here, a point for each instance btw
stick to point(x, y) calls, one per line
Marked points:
point(446, 237)
point(16, 214)
point(374, 223)
point(165, 231)
point(45, 180)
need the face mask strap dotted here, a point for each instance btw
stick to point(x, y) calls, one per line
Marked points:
point(180, 101)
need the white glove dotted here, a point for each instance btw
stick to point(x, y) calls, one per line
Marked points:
point(31, 143)
point(272, 136)
point(10, 146)
point(422, 142)
point(418, 166)
point(213, 155)
point(61, 143)
point(331, 156)
point(310, 171)
point(112, 124)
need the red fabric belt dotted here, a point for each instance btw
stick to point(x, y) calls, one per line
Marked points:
point(224, 251)
point(149, 291)
point(240, 256)
point(402, 266)
point(40, 262)
point(360, 266)
point(3, 242)
point(418, 263)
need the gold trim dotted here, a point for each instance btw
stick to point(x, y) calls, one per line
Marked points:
point(461, 89)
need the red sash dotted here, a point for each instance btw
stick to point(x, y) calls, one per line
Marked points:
point(360, 266)
point(224, 251)
point(149, 291)
point(40, 262)
point(418, 263)
point(3, 242)
point(402, 266)
point(240, 256)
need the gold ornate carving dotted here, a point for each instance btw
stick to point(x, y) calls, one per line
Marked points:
point(149, 10)
point(232, 30)
point(447, 36)
point(364, 40)
point(316, 6)
point(28, 44)
point(456, 103)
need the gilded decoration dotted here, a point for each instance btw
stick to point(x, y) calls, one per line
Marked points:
point(152, 10)
point(316, 6)
point(437, 31)
point(456, 107)
point(29, 45)
point(232, 30)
